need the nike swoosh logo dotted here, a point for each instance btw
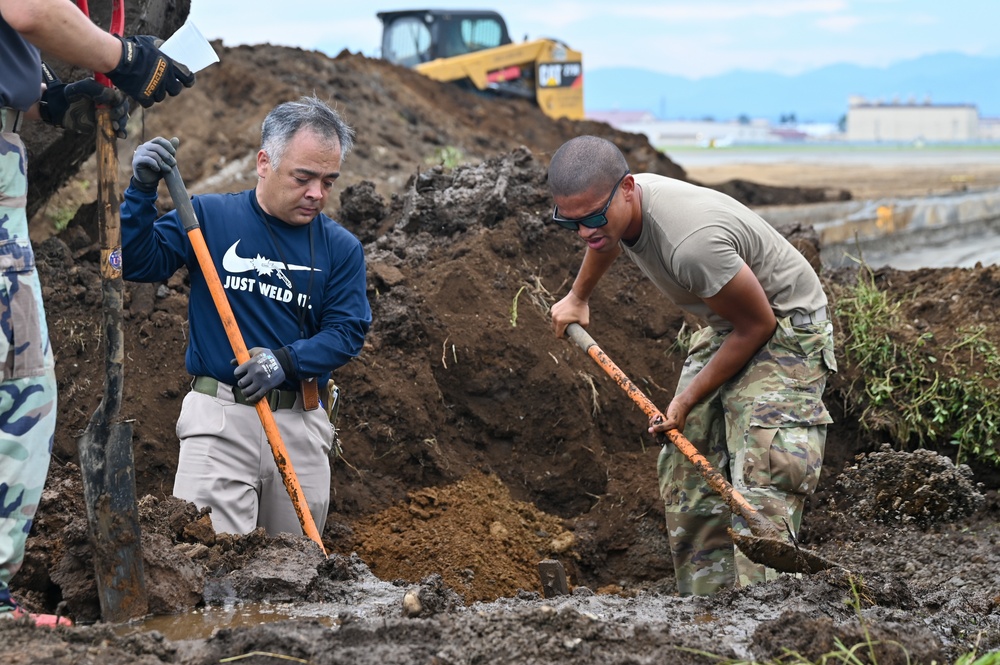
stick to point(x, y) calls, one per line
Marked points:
point(234, 263)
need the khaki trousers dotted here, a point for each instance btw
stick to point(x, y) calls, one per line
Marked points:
point(226, 463)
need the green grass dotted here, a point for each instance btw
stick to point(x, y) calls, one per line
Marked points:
point(62, 217)
point(914, 396)
point(682, 343)
point(449, 157)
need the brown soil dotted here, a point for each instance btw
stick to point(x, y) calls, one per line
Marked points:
point(476, 443)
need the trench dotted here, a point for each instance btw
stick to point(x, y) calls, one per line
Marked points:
point(958, 230)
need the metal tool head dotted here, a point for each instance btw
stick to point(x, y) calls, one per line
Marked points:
point(780, 555)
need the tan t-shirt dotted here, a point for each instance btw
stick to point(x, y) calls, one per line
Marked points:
point(694, 240)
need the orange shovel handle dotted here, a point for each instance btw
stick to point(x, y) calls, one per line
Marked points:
point(186, 211)
point(715, 480)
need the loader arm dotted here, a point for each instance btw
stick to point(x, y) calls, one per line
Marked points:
point(543, 69)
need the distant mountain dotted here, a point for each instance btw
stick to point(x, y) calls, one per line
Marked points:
point(819, 95)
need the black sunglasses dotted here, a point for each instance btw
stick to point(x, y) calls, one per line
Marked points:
point(591, 221)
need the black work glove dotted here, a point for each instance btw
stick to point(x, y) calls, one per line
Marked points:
point(259, 375)
point(151, 162)
point(72, 105)
point(145, 74)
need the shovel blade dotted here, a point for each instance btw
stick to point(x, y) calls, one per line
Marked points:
point(113, 517)
point(782, 556)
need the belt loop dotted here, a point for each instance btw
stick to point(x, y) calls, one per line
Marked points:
point(803, 319)
point(274, 399)
point(8, 125)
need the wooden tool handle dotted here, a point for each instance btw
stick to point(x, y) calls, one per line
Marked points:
point(759, 524)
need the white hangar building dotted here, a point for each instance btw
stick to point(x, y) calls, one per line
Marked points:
point(896, 122)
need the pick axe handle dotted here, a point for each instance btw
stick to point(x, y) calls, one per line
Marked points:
point(715, 480)
point(175, 184)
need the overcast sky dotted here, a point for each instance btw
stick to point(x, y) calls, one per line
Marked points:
point(692, 38)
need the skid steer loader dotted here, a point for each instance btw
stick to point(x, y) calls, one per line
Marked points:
point(473, 48)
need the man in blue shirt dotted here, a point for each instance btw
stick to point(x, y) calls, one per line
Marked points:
point(27, 376)
point(296, 282)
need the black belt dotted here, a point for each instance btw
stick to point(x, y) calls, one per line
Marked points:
point(800, 319)
point(278, 399)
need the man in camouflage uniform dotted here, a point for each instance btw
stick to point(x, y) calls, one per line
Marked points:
point(750, 396)
point(28, 390)
point(27, 375)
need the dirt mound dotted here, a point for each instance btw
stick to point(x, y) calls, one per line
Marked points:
point(484, 544)
point(463, 404)
point(921, 487)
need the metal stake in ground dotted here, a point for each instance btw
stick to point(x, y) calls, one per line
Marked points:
point(182, 201)
point(767, 545)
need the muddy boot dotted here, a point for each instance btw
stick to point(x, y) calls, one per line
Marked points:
point(11, 610)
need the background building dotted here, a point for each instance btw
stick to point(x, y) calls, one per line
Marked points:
point(705, 133)
point(989, 130)
point(876, 121)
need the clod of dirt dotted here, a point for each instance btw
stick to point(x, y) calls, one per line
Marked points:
point(919, 487)
point(281, 572)
point(362, 208)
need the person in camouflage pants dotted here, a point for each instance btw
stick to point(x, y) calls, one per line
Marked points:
point(765, 430)
point(28, 388)
point(750, 396)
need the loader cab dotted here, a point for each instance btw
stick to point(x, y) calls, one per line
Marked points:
point(421, 35)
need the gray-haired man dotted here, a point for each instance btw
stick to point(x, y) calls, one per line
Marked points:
point(296, 282)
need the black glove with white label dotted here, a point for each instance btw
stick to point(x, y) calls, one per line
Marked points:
point(259, 375)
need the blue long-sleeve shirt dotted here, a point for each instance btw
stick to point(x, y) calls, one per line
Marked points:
point(287, 290)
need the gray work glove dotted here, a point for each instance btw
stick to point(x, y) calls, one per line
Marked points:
point(259, 375)
point(151, 162)
point(72, 106)
point(145, 74)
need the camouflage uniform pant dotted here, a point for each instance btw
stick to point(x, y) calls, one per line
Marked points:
point(27, 376)
point(765, 430)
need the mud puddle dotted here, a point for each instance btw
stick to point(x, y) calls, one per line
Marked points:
point(204, 622)
point(364, 597)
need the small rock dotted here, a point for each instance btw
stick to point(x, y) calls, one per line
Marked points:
point(411, 604)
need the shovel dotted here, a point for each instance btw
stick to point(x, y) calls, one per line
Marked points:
point(767, 545)
point(105, 449)
point(182, 201)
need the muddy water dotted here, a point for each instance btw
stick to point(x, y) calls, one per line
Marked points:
point(365, 597)
point(203, 622)
point(685, 615)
